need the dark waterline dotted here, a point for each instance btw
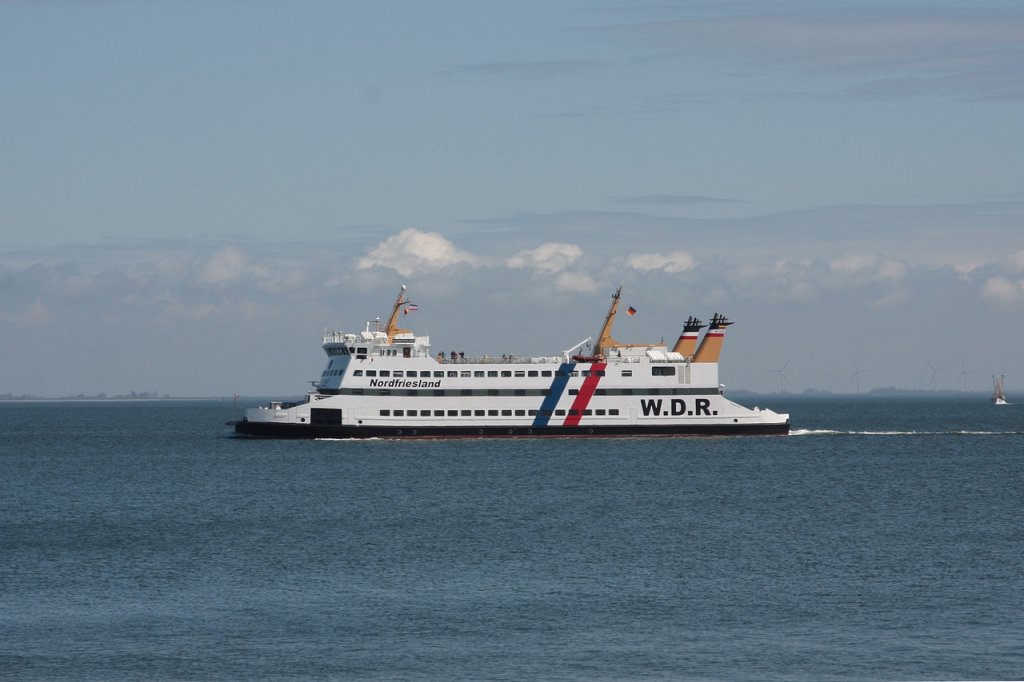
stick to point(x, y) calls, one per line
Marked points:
point(882, 541)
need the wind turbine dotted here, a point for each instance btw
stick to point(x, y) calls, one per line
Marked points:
point(935, 370)
point(856, 374)
point(963, 376)
point(782, 376)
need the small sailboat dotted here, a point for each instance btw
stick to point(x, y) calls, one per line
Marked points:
point(998, 396)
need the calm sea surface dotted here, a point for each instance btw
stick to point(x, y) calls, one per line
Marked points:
point(885, 539)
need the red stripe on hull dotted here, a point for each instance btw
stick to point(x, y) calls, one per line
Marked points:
point(585, 394)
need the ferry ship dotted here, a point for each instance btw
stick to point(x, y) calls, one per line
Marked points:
point(386, 382)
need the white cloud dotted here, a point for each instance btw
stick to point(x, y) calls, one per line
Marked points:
point(226, 266)
point(549, 257)
point(675, 261)
point(892, 299)
point(852, 263)
point(892, 270)
point(568, 281)
point(231, 265)
point(782, 280)
point(967, 268)
point(1003, 289)
point(868, 267)
point(413, 251)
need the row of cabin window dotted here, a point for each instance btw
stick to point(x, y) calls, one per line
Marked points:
point(613, 412)
point(493, 373)
point(362, 352)
point(517, 392)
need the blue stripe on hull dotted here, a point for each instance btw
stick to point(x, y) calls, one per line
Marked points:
point(557, 388)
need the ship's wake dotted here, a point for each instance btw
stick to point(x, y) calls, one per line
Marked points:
point(838, 432)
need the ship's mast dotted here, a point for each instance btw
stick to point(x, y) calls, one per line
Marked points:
point(392, 327)
point(604, 338)
point(605, 342)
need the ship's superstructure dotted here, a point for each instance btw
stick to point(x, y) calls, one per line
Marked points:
point(998, 394)
point(386, 382)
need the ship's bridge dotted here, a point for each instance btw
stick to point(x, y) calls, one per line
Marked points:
point(368, 344)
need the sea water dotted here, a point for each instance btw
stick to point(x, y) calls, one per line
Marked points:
point(883, 539)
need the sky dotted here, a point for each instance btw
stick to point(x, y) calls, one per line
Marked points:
point(192, 192)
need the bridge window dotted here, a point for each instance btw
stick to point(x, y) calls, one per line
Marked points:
point(663, 371)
